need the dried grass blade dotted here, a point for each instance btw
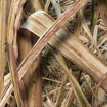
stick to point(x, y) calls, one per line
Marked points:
point(14, 10)
point(77, 89)
point(18, 85)
point(17, 23)
point(89, 34)
point(95, 34)
point(25, 45)
point(69, 99)
point(89, 85)
point(61, 91)
point(49, 103)
point(35, 92)
point(6, 97)
point(47, 5)
point(3, 5)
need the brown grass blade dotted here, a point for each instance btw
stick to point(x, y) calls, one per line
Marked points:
point(7, 96)
point(35, 90)
point(14, 10)
point(61, 90)
point(3, 5)
point(18, 85)
point(12, 30)
point(25, 45)
point(17, 23)
point(47, 5)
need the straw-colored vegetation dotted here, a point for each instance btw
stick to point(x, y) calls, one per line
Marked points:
point(53, 53)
